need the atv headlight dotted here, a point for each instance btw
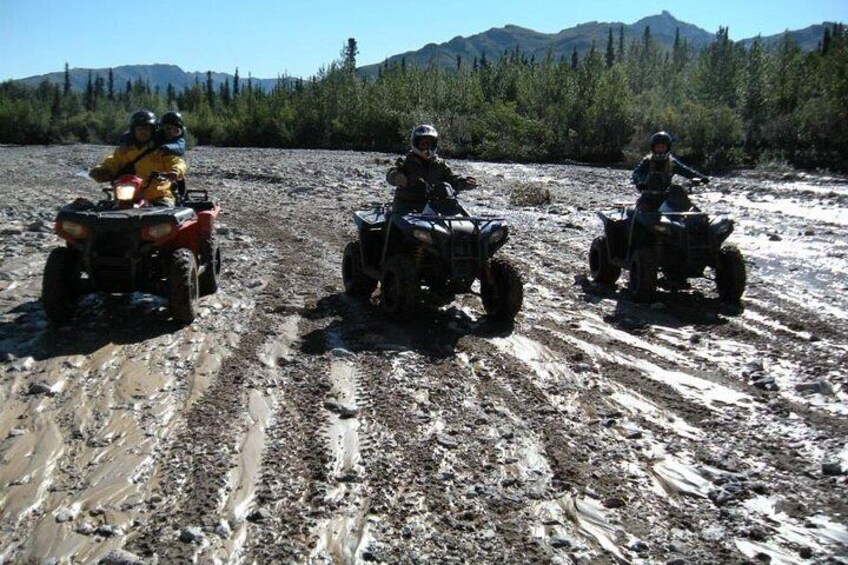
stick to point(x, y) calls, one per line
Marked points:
point(73, 229)
point(158, 231)
point(497, 236)
point(423, 236)
point(125, 193)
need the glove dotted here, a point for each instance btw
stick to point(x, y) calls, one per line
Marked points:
point(705, 180)
point(100, 174)
point(399, 179)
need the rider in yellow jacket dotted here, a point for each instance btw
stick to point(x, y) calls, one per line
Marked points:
point(125, 160)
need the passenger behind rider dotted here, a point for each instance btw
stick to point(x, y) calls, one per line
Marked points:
point(139, 156)
point(170, 135)
point(420, 168)
point(654, 174)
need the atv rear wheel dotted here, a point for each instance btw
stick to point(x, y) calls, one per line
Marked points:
point(643, 275)
point(356, 283)
point(730, 274)
point(502, 290)
point(399, 288)
point(60, 284)
point(600, 267)
point(183, 286)
point(212, 268)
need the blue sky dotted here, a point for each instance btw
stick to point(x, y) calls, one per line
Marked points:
point(269, 38)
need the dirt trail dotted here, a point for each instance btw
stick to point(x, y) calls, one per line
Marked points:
point(293, 423)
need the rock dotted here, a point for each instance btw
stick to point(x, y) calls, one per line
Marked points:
point(447, 442)
point(16, 432)
point(66, 515)
point(223, 529)
point(191, 534)
point(764, 382)
point(638, 546)
point(121, 557)
point(40, 387)
point(107, 530)
point(832, 469)
point(38, 226)
point(805, 552)
point(344, 412)
point(342, 352)
point(11, 231)
point(560, 543)
point(753, 366)
point(713, 534)
point(774, 237)
point(614, 502)
point(85, 529)
point(259, 515)
point(818, 387)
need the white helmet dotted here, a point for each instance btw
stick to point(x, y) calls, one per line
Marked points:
point(421, 132)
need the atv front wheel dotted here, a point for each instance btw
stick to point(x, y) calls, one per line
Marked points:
point(183, 286)
point(60, 284)
point(502, 290)
point(600, 267)
point(730, 274)
point(399, 288)
point(355, 281)
point(643, 275)
point(212, 268)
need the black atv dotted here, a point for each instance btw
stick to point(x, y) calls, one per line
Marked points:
point(443, 248)
point(120, 245)
point(677, 239)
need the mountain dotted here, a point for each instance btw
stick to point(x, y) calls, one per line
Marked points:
point(491, 43)
point(495, 41)
point(807, 38)
point(158, 76)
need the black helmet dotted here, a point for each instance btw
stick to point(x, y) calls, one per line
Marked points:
point(142, 118)
point(172, 119)
point(421, 132)
point(661, 138)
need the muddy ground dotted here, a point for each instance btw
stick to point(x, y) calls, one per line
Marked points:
point(292, 423)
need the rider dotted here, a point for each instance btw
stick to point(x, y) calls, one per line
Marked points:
point(139, 157)
point(420, 168)
point(654, 174)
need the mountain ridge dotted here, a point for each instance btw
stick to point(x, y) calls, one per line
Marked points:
point(462, 50)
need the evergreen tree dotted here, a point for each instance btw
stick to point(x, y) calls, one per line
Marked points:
point(575, 60)
point(111, 85)
point(349, 53)
point(610, 56)
point(210, 88)
point(236, 84)
point(67, 86)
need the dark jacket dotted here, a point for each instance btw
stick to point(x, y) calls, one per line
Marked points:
point(413, 196)
point(643, 175)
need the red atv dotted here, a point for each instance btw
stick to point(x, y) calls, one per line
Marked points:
point(120, 245)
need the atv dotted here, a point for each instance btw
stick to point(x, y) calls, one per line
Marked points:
point(677, 240)
point(442, 248)
point(120, 245)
